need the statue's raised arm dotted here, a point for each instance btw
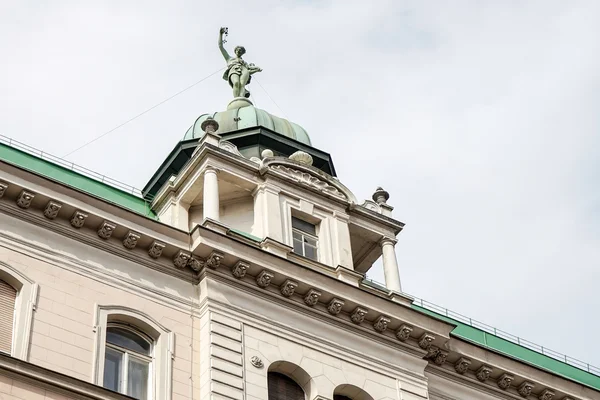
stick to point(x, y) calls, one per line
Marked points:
point(223, 31)
point(238, 73)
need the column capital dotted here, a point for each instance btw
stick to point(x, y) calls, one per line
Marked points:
point(387, 240)
point(210, 168)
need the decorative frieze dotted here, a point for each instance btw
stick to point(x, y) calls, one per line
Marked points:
point(156, 248)
point(52, 209)
point(312, 297)
point(546, 394)
point(483, 373)
point(432, 352)
point(239, 269)
point(196, 264)
point(3, 187)
point(264, 278)
point(24, 199)
point(403, 333)
point(425, 341)
point(525, 389)
point(214, 260)
point(335, 306)
point(505, 380)
point(358, 315)
point(131, 239)
point(106, 229)
point(78, 219)
point(181, 259)
point(381, 323)
point(462, 365)
point(288, 288)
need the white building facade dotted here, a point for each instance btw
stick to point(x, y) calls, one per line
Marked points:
point(238, 273)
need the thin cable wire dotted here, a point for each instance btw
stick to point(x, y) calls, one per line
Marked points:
point(143, 112)
point(267, 93)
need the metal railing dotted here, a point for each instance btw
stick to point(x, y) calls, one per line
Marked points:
point(71, 166)
point(502, 334)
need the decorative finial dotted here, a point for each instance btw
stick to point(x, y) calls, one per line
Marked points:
point(266, 153)
point(380, 196)
point(238, 73)
point(209, 125)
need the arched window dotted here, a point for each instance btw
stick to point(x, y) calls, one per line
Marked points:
point(8, 295)
point(282, 387)
point(340, 397)
point(127, 361)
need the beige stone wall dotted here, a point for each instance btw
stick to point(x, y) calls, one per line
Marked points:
point(74, 279)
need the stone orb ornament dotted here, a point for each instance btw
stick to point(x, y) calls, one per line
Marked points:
point(267, 153)
point(302, 158)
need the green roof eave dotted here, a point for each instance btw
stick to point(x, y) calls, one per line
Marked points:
point(489, 341)
point(75, 180)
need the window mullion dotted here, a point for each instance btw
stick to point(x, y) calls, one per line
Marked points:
point(125, 372)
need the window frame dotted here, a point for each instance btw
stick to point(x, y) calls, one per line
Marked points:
point(25, 304)
point(161, 369)
point(303, 235)
point(126, 354)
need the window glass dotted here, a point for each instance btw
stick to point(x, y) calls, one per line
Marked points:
point(137, 378)
point(113, 361)
point(127, 339)
point(282, 387)
point(304, 226)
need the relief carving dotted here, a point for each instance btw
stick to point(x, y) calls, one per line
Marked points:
point(358, 315)
point(483, 373)
point(3, 187)
point(505, 380)
point(156, 248)
point(196, 264)
point(264, 278)
point(425, 341)
point(381, 323)
point(288, 288)
point(403, 333)
point(312, 297)
point(239, 269)
point(525, 389)
point(106, 229)
point(462, 365)
point(309, 180)
point(546, 394)
point(52, 209)
point(229, 147)
point(131, 239)
point(335, 306)
point(214, 260)
point(181, 259)
point(78, 219)
point(24, 199)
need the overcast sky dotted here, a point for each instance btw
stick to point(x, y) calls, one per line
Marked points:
point(481, 118)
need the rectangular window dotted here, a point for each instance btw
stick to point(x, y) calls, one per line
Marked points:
point(306, 242)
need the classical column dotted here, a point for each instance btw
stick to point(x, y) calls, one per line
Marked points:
point(390, 265)
point(211, 194)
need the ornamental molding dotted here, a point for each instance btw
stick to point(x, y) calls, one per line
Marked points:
point(505, 380)
point(24, 199)
point(312, 297)
point(131, 240)
point(156, 248)
point(483, 373)
point(214, 260)
point(546, 394)
point(239, 269)
point(229, 147)
point(426, 340)
point(525, 388)
point(52, 209)
point(335, 306)
point(256, 362)
point(371, 205)
point(106, 229)
point(288, 287)
point(3, 187)
point(381, 323)
point(78, 219)
point(306, 175)
point(462, 365)
point(263, 279)
point(358, 315)
point(196, 264)
point(181, 259)
point(403, 333)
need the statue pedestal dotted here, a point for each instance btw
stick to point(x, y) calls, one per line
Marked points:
point(238, 102)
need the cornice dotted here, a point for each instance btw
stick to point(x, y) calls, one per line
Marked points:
point(38, 376)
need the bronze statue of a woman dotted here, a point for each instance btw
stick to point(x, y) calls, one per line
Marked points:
point(238, 72)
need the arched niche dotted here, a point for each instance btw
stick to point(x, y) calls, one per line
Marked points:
point(350, 392)
point(297, 374)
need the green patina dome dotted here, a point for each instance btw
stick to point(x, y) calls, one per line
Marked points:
point(248, 117)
